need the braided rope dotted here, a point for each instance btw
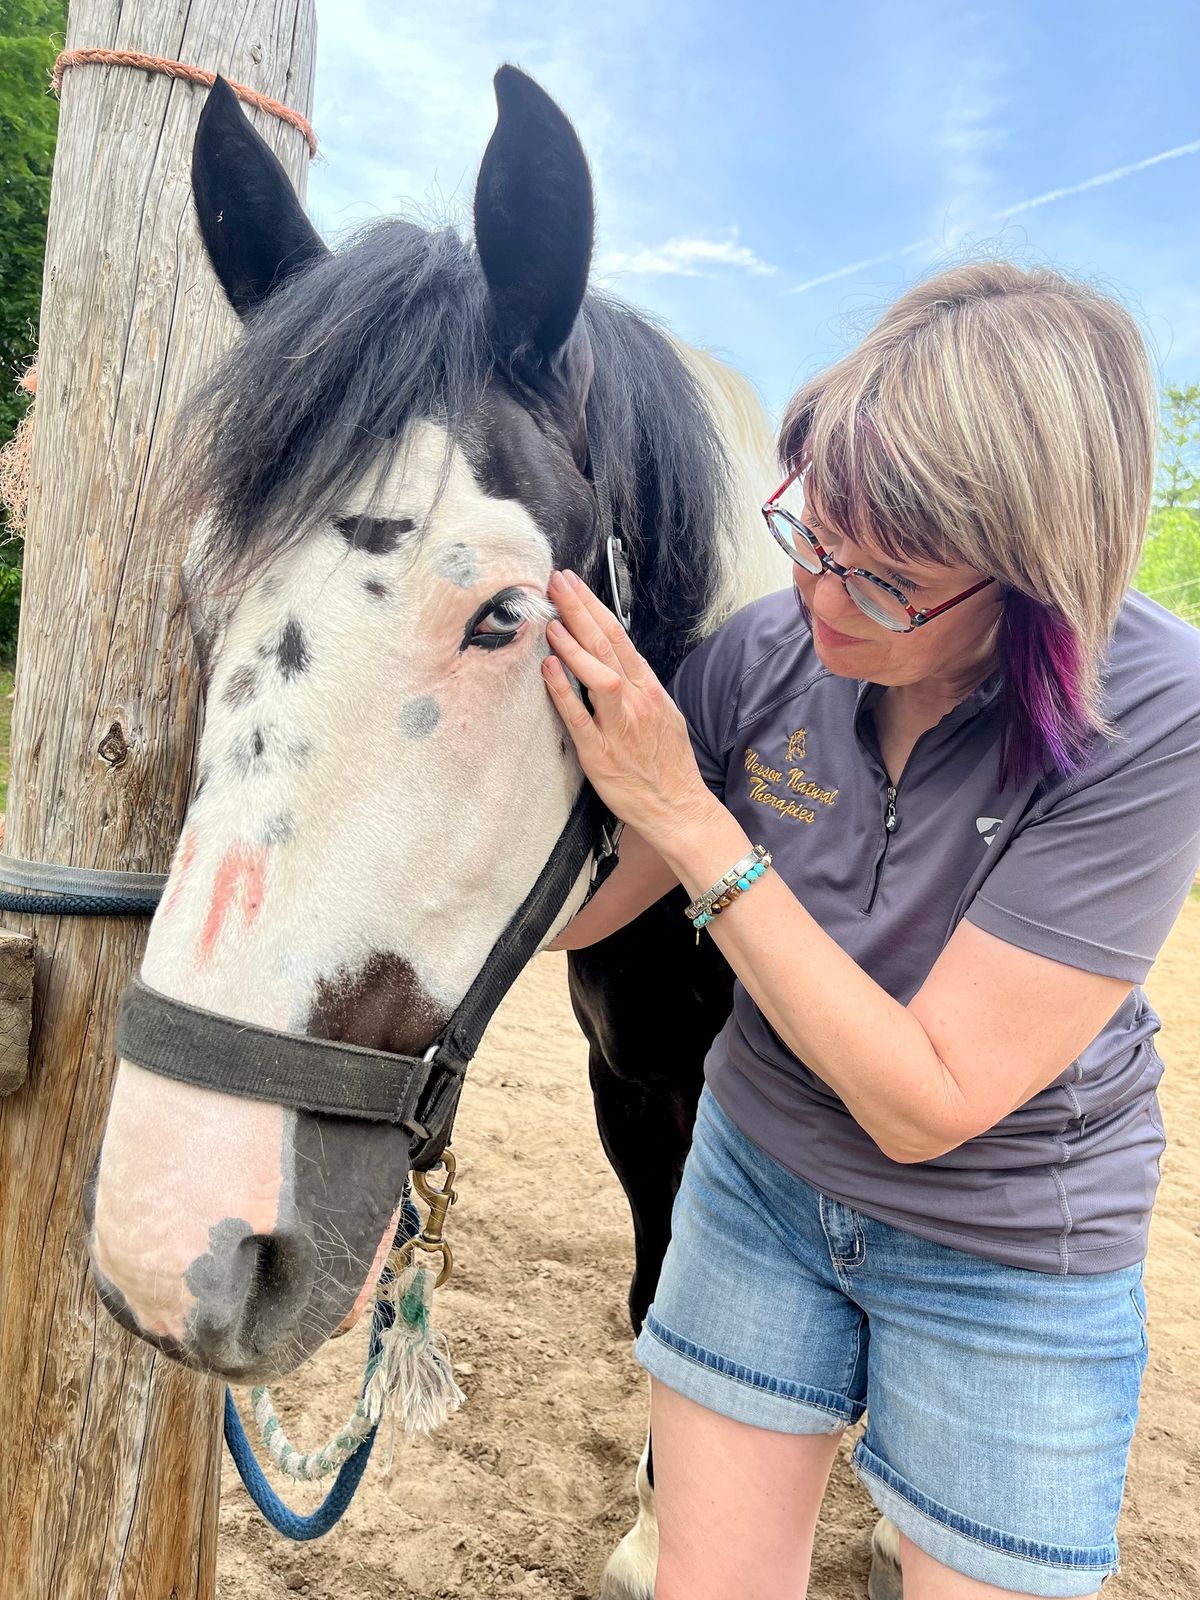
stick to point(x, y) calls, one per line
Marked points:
point(189, 74)
point(408, 1297)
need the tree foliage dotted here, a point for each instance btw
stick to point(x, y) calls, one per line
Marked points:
point(1170, 567)
point(31, 33)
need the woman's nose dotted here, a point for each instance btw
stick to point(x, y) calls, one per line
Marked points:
point(830, 599)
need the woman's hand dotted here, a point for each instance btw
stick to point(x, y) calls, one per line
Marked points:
point(634, 747)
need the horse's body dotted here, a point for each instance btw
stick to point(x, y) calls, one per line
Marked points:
point(403, 448)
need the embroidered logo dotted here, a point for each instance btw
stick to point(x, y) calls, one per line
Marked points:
point(988, 827)
point(798, 787)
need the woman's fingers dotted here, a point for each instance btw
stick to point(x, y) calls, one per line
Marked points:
point(593, 624)
point(599, 677)
point(569, 706)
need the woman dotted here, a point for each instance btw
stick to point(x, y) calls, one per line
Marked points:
point(928, 1145)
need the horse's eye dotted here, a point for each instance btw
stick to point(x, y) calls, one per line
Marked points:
point(498, 625)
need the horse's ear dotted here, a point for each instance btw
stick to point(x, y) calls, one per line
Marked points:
point(533, 222)
point(252, 224)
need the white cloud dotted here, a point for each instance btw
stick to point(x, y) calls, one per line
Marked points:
point(684, 258)
point(969, 134)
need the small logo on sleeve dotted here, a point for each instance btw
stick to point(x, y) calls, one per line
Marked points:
point(988, 827)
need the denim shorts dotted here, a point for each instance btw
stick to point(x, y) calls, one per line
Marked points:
point(1001, 1402)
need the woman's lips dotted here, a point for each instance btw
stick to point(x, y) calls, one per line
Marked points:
point(831, 637)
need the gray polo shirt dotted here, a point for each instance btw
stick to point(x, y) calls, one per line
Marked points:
point(1089, 870)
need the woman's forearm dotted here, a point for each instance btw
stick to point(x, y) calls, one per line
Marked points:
point(871, 1050)
point(640, 877)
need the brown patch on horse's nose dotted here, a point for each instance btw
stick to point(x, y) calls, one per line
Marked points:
point(382, 1006)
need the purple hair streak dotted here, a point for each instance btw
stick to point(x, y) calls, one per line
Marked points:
point(1045, 715)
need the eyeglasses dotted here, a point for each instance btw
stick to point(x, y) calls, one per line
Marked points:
point(879, 601)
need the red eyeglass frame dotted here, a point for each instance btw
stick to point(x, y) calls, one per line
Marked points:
point(916, 618)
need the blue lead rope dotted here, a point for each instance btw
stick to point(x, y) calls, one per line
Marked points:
point(331, 1510)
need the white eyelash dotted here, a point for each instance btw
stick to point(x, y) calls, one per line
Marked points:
point(530, 607)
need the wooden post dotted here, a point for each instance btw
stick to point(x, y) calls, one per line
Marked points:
point(109, 1453)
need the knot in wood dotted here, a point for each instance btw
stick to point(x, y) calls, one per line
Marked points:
point(112, 748)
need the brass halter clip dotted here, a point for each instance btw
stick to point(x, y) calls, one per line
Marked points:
point(430, 1238)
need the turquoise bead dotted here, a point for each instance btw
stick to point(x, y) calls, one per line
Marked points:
point(743, 883)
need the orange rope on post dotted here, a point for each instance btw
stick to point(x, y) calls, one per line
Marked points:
point(179, 69)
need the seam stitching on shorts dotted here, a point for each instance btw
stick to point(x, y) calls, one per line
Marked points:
point(1100, 1566)
point(760, 1381)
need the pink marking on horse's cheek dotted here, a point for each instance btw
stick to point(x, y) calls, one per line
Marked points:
point(187, 856)
point(240, 874)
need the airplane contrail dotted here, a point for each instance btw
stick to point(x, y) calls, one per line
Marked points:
point(1189, 149)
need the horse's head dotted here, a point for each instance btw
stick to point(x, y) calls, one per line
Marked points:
point(395, 458)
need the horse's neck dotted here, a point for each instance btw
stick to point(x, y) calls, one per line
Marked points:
point(749, 562)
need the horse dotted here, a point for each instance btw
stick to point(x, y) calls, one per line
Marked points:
point(378, 481)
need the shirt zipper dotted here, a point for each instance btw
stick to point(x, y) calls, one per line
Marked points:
point(891, 821)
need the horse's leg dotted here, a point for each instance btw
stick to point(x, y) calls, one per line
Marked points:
point(885, 1581)
point(650, 1002)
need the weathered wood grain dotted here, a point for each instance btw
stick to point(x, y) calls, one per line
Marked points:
point(108, 1475)
point(16, 1009)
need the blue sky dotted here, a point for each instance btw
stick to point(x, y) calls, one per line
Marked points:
point(743, 153)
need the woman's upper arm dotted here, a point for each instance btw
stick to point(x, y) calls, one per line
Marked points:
point(1005, 1023)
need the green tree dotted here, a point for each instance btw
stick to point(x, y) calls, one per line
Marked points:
point(1178, 482)
point(28, 124)
point(1170, 566)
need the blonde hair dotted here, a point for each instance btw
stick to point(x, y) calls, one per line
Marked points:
point(1000, 418)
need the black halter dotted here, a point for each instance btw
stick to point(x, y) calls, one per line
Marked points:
point(417, 1093)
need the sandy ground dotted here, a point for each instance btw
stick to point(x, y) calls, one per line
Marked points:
point(526, 1491)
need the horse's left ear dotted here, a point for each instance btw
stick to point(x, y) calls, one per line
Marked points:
point(252, 224)
point(533, 226)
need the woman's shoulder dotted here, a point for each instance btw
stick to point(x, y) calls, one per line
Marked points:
point(763, 649)
point(774, 626)
point(1152, 675)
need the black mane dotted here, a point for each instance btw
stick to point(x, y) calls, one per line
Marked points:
point(336, 365)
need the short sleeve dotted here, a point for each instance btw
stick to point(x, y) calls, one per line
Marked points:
point(1098, 879)
point(704, 688)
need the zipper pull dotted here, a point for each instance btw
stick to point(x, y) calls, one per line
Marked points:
point(890, 820)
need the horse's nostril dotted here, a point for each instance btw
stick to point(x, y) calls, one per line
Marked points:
point(251, 1291)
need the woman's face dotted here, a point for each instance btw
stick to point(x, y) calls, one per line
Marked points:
point(953, 647)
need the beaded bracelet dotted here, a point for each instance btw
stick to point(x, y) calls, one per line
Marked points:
point(726, 889)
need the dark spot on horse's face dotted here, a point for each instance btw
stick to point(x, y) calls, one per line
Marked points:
point(292, 652)
point(378, 536)
point(248, 752)
point(382, 1006)
point(457, 563)
point(419, 717)
point(297, 753)
point(279, 829)
point(241, 687)
point(377, 590)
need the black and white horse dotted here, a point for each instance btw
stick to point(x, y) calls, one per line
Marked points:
point(382, 477)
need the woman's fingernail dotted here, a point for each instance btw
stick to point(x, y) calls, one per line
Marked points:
point(551, 664)
point(571, 577)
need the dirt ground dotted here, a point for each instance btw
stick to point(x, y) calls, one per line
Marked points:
point(527, 1489)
